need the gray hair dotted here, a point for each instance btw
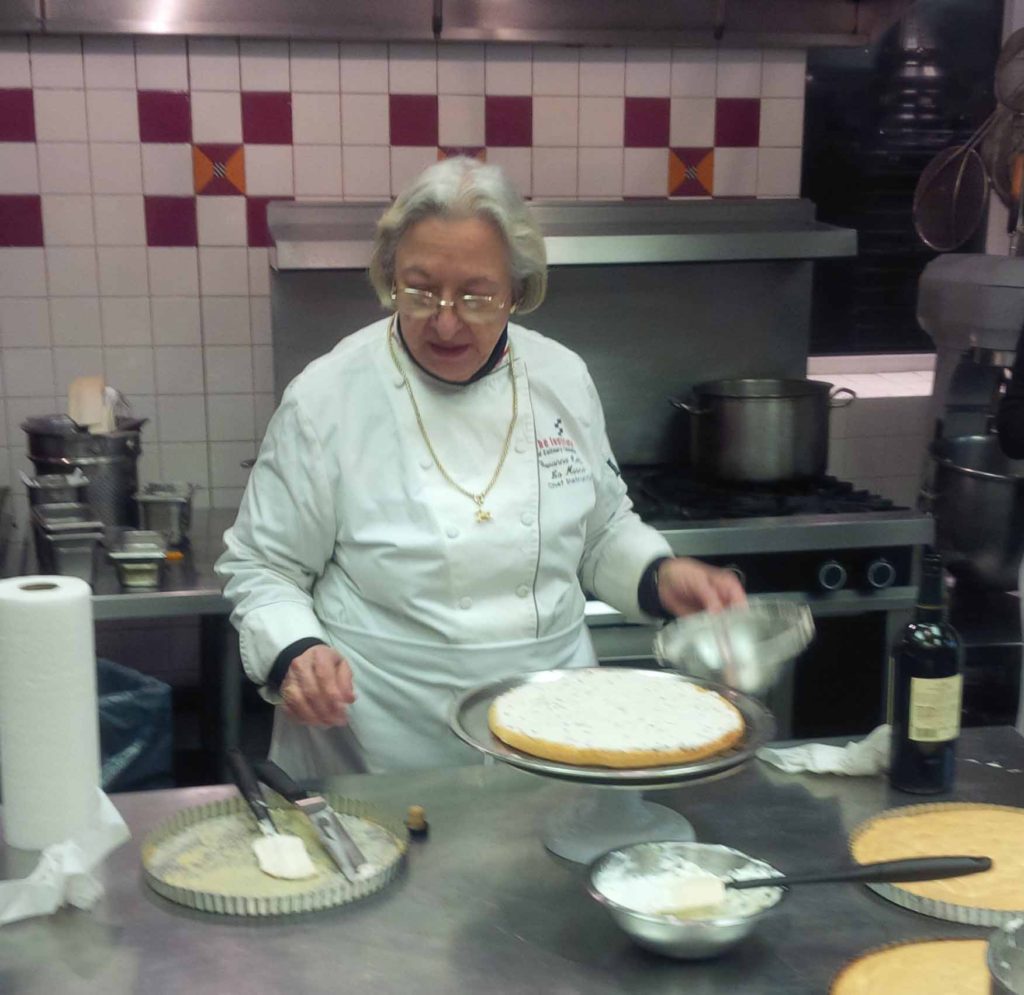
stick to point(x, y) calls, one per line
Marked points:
point(463, 187)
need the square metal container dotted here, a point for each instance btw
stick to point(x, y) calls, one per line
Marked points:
point(138, 557)
point(66, 538)
point(66, 517)
point(70, 554)
point(167, 509)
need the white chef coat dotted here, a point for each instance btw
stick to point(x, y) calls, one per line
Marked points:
point(348, 532)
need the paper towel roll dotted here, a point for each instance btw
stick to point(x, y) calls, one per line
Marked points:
point(49, 726)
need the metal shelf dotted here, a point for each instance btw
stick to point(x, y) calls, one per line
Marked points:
point(318, 236)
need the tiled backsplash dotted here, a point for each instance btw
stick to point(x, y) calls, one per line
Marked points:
point(135, 174)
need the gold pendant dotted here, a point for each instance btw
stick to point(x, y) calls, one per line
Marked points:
point(482, 515)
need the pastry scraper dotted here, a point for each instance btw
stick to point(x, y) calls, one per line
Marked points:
point(281, 855)
point(335, 838)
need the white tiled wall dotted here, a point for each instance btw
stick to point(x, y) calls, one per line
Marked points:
point(879, 441)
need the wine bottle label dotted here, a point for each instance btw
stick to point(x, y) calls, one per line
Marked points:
point(934, 708)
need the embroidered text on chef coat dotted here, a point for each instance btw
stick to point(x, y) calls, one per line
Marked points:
point(560, 462)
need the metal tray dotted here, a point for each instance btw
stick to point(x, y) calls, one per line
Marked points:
point(971, 915)
point(468, 720)
point(329, 889)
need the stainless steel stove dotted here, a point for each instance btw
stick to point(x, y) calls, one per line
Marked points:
point(851, 555)
point(841, 548)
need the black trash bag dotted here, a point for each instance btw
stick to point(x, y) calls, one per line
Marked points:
point(136, 740)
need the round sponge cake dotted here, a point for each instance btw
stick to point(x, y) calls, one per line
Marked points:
point(613, 717)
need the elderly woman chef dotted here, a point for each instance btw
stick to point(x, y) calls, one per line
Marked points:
point(432, 498)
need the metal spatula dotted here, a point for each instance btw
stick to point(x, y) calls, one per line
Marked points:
point(706, 891)
point(280, 855)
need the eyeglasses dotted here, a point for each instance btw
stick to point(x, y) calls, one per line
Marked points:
point(471, 308)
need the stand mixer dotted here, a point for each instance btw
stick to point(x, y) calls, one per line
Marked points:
point(972, 305)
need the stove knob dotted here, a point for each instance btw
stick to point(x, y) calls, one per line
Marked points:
point(740, 575)
point(881, 573)
point(832, 575)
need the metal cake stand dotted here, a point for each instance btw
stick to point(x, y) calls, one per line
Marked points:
point(610, 810)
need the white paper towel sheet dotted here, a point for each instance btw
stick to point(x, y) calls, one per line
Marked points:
point(49, 725)
point(858, 758)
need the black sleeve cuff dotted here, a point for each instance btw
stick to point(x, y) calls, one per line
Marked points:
point(284, 660)
point(647, 591)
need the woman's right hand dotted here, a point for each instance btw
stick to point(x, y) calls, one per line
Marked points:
point(317, 689)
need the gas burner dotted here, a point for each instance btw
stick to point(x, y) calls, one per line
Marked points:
point(667, 494)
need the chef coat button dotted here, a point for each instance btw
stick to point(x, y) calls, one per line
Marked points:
point(398, 383)
point(466, 603)
point(426, 462)
point(520, 447)
point(527, 518)
point(452, 532)
point(522, 590)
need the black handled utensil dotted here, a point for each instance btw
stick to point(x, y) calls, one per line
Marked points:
point(707, 891)
point(890, 871)
point(335, 838)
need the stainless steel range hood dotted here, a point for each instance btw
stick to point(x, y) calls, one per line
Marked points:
point(731, 23)
point(320, 236)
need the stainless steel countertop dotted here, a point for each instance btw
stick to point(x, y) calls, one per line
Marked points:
point(483, 906)
point(188, 586)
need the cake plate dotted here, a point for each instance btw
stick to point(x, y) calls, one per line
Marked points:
point(610, 809)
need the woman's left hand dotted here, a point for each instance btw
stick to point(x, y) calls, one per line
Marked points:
point(686, 586)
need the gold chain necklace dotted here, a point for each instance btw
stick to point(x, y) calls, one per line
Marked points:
point(482, 514)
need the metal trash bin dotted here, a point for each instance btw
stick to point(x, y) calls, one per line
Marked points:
point(110, 461)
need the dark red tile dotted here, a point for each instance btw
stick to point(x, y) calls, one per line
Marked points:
point(256, 219)
point(218, 170)
point(267, 118)
point(171, 221)
point(413, 118)
point(17, 116)
point(473, 151)
point(21, 220)
point(164, 116)
point(508, 121)
point(737, 122)
point(646, 122)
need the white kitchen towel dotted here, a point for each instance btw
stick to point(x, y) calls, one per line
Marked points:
point(859, 757)
point(64, 875)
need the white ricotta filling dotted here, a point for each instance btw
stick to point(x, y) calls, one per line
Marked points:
point(617, 710)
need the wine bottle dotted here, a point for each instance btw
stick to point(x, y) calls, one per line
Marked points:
point(925, 690)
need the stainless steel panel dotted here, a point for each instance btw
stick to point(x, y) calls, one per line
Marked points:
point(20, 15)
point(789, 23)
point(354, 20)
point(738, 23)
point(340, 236)
point(646, 332)
point(797, 533)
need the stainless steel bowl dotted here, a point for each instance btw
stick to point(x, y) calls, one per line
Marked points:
point(744, 648)
point(1006, 959)
point(686, 939)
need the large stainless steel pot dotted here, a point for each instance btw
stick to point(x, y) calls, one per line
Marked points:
point(978, 501)
point(110, 461)
point(763, 431)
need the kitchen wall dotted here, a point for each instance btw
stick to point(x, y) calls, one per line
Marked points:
point(135, 174)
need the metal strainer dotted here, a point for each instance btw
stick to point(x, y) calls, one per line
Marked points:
point(744, 647)
point(949, 199)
